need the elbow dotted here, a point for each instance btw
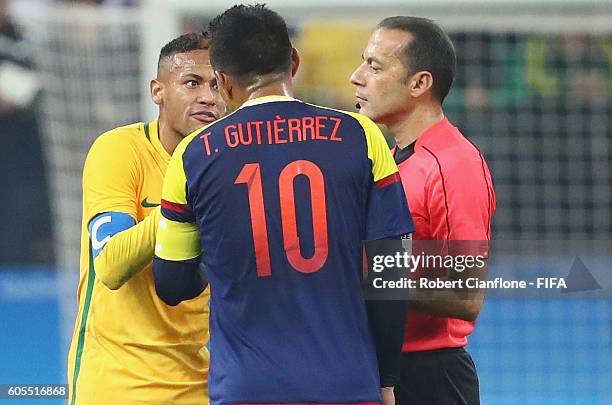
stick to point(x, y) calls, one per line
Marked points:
point(164, 284)
point(469, 316)
point(174, 294)
point(107, 274)
point(167, 298)
point(470, 310)
point(175, 282)
point(111, 283)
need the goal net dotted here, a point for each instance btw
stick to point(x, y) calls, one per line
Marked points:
point(88, 59)
point(89, 64)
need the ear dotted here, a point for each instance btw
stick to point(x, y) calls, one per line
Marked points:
point(420, 83)
point(225, 83)
point(295, 61)
point(157, 91)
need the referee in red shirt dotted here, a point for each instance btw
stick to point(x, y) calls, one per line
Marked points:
point(407, 71)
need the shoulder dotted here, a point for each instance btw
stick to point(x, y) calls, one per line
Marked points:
point(454, 165)
point(362, 120)
point(118, 147)
point(128, 136)
point(350, 116)
point(196, 135)
point(450, 153)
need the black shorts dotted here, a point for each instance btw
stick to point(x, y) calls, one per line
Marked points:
point(438, 377)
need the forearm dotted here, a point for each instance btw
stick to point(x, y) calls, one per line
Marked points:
point(387, 319)
point(461, 303)
point(467, 310)
point(127, 253)
point(178, 253)
point(386, 310)
point(177, 281)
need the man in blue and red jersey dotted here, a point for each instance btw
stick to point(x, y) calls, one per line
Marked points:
point(407, 70)
point(275, 199)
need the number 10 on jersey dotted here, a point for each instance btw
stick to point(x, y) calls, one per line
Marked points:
point(251, 176)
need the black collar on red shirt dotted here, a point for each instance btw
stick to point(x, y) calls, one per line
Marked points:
point(402, 155)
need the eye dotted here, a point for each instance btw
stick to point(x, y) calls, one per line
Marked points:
point(214, 85)
point(191, 84)
point(373, 65)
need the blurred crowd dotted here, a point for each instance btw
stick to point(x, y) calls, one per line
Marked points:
point(25, 216)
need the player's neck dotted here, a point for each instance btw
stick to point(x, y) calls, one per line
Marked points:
point(168, 137)
point(274, 84)
point(409, 127)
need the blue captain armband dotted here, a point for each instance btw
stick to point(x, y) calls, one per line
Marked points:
point(103, 226)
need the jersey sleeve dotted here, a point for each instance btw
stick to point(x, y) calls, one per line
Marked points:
point(387, 210)
point(110, 177)
point(461, 201)
point(178, 235)
point(123, 254)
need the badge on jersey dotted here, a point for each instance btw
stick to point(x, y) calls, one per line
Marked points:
point(104, 226)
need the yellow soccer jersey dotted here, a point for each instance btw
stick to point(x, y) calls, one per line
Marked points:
point(128, 347)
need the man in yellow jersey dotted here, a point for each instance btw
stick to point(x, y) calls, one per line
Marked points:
point(128, 346)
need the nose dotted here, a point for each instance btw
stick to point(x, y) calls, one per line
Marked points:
point(206, 96)
point(357, 77)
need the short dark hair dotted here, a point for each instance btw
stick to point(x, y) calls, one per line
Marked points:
point(430, 49)
point(250, 40)
point(192, 41)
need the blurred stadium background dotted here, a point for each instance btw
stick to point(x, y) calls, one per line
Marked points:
point(533, 90)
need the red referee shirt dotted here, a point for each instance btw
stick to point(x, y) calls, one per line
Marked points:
point(450, 194)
